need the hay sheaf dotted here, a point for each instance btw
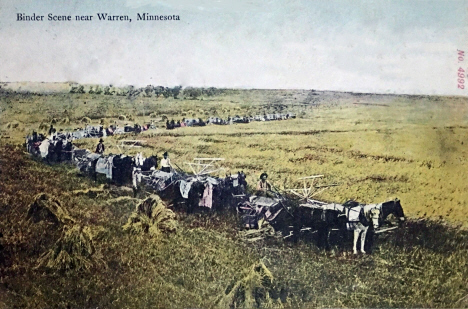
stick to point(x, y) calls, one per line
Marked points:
point(85, 120)
point(65, 120)
point(104, 122)
point(151, 216)
point(12, 125)
point(73, 251)
point(254, 290)
point(43, 126)
point(48, 208)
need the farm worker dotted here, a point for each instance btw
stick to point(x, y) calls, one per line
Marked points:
point(100, 147)
point(166, 163)
point(52, 130)
point(263, 185)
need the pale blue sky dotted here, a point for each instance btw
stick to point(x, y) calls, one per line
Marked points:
point(367, 46)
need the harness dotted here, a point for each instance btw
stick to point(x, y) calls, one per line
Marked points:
point(353, 214)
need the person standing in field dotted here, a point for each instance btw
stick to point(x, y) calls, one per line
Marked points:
point(100, 147)
point(166, 163)
point(52, 130)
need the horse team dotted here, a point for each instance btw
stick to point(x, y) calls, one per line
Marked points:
point(295, 219)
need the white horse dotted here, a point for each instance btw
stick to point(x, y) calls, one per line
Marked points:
point(371, 213)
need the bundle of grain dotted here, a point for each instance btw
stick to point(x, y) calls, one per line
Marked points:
point(104, 122)
point(12, 125)
point(43, 126)
point(131, 117)
point(48, 208)
point(151, 216)
point(85, 120)
point(65, 120)
point(254, 290)
point(54, 121)
point(153, 115)
point(122, 117)
point(73, 251)
point(163, 219)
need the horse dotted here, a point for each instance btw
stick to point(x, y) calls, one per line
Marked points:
point(351, 216)
point(50, 152)
point(168, 187)
point(318, 217)
point(242, 183)
point(230, 189)
point(68, 148)
point(122, 168)
point(392, 207)
point(370, 213)
point(377, 214)
point(148, 163)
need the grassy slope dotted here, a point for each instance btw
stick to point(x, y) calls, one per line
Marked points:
point(412, 149)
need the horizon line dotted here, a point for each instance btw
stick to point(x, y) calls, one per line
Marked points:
point(235, 88)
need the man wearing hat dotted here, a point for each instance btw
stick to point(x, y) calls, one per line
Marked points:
point(100, 147)
point(263, 185)
point(166, 163)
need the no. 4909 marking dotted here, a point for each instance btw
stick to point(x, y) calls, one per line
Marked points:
point(461, 72)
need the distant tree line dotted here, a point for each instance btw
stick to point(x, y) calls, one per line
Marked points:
point(150, 91)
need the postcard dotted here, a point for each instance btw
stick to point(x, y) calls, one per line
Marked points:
point(233, 154)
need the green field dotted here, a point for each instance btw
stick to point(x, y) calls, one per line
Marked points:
point(410, 147)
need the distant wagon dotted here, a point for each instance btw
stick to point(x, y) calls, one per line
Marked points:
point(216, 120)
point(191, 122)
point(95, 131)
